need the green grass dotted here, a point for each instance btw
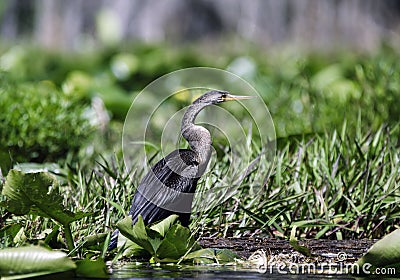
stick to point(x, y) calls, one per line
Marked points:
point(328, 185)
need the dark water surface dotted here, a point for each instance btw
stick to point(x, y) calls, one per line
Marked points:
point(132, 271)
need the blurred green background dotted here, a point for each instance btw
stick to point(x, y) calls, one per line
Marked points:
point(69, 71)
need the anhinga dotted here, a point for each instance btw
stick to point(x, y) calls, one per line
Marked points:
point(169, 186)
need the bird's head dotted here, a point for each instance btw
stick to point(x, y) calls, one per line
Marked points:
point(217, 97)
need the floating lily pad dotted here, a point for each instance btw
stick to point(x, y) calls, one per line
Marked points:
point(212, 255)
point(24, 262)
point(384, 253)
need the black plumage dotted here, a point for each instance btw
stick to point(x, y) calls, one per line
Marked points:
point(162, 173)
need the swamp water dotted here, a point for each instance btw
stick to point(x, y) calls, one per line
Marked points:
point(133, 271)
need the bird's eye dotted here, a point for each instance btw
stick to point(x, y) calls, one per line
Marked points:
point(222, 98)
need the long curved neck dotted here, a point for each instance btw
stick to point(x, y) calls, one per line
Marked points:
point(198, 137)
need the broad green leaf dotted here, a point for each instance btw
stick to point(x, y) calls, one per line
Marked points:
point(211, 255)
point(33, 261)
point(385, 252)
point(163, 226)
point(139, 234)
point(226, 256)
point(176, 243)
point(92, 269)
point(36, 193)
point(202, 256)
point(130, 248)
point(20, 188)
point(154, 238)
point(126, 229)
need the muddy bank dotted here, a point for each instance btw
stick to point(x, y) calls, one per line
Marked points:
point(321, 249)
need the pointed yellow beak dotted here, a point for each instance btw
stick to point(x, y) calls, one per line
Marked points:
point(236, 97)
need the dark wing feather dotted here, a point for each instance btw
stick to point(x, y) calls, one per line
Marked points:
point(160, 192)
point(182, 162)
